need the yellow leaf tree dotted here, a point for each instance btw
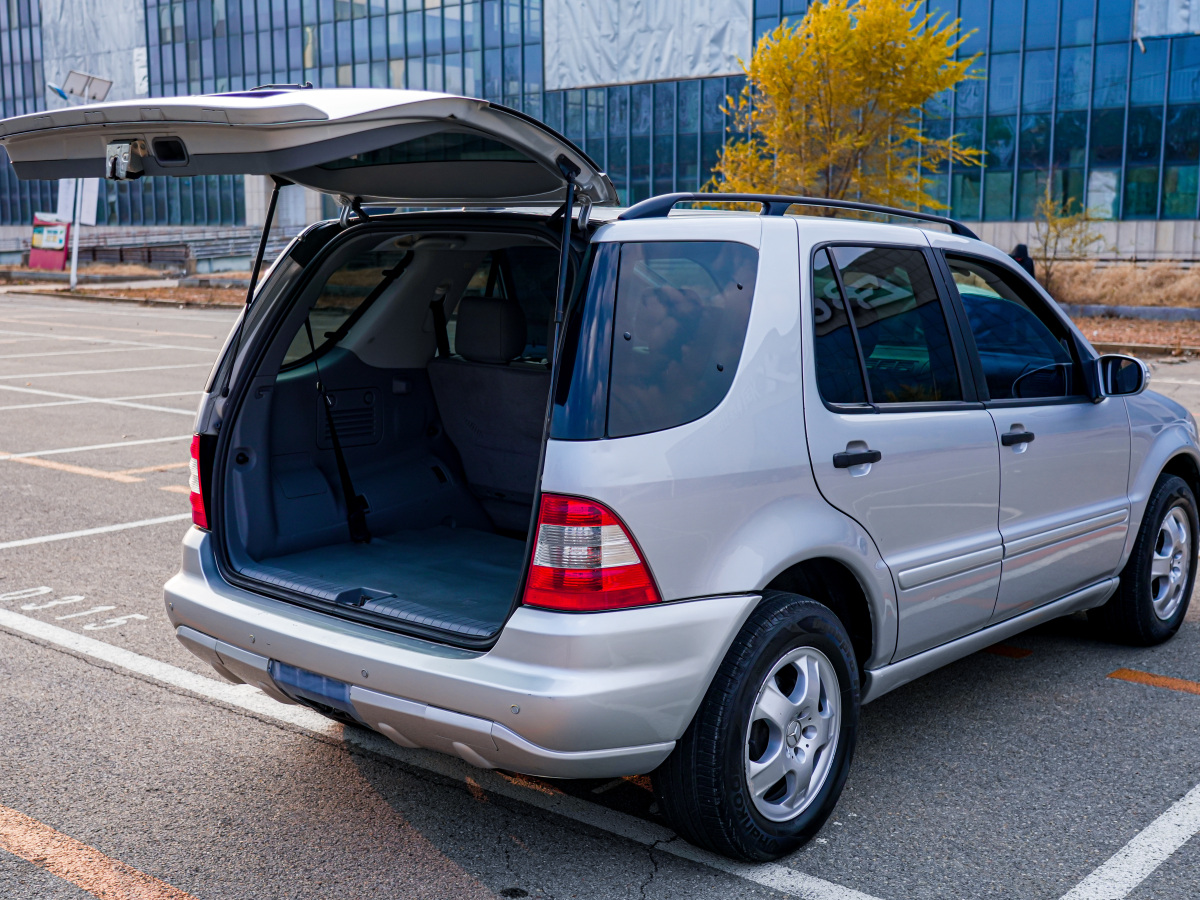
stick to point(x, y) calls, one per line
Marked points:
point(832, 106)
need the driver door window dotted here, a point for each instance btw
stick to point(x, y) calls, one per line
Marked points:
point(1025, 352)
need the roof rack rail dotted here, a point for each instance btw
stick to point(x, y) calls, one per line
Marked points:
point(778, 204)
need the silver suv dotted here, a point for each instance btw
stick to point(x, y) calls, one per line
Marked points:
point(580, 492)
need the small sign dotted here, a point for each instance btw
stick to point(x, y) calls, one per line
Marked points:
point(50, 237)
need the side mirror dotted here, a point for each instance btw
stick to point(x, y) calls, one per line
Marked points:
point(1122, 376)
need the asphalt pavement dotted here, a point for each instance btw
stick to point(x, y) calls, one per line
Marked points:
point(1016, 772)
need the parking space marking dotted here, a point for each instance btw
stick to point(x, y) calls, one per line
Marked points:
point(187, 334)
point(36, 335)
point(176, 488)
point(115, 401)
point(81, 398)
point(163, 468)
point(64, 353)
point(1148, 850)
point(73, 470)
point(109, 310)
point(108, 371)
point(1158, 681)
point(134, 443)
point(76, 862)
point(776, 876)
point(85, 532)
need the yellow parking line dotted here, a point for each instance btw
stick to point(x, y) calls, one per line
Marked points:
point(1160, 681)
point(162, 468)
point(75, 470)
point(76, 862)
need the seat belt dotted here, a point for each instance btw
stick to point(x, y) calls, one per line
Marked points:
point(438, 310)
point(356, 504)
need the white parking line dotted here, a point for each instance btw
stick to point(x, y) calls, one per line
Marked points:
point(108, 310)
point(161, 440)
point(1148, 850)
point(111, 401)
point(1173, 381)
point(65, 353)
point(37, 335)
point(108, 371)
point(775, 876)
point(103, 529)
point(82, 399)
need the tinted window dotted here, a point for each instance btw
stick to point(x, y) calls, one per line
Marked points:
point(680, 321)
point(900, 324)
point(341, 300)
point(1024, 350)
point(581, 392)
point(839, 375)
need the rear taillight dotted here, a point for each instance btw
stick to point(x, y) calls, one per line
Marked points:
point(585, 561)
point(199, 516)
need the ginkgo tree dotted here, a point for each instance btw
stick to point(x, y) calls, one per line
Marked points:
point(832, 106)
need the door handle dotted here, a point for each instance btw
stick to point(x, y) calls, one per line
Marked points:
point(1009, 438)
point(848, 458)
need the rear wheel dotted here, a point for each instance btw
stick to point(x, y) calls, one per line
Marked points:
point(763, 762)
point(1156, 583)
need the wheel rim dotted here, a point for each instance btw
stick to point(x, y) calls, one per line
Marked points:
point(1170, 563)
point(793, 734)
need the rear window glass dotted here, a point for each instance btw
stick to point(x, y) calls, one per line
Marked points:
point(433, 148)
point(679, 324)
point(341, 300)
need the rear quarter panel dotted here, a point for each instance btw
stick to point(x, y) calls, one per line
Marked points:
point(724, 504)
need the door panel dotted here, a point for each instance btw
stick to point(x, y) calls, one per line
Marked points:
point(1064, 461)
point(929, 504)
point(929, 499)
point(1064, 504)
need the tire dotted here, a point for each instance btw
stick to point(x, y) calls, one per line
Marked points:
point(1156, 584)
point(704, 787)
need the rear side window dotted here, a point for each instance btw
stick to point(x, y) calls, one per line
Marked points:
point(680, 321)
point(896, 320)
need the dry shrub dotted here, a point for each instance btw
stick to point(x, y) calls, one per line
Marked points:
point(1151, 284)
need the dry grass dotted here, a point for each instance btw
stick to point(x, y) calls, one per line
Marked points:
point(1141, 332)
point(195, 296)
point(1151, 284)
point(131, 270)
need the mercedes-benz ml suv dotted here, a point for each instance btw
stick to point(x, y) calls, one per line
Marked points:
point(580, 492)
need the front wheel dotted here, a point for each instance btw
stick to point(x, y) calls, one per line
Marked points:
point(763, 762)
point(1156, 583)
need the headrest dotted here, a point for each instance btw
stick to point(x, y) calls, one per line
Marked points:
point(489, 330)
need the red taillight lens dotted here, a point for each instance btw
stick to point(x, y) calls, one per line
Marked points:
point(199, 516)
point(585, 561)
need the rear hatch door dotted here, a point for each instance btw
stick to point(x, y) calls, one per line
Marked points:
point(407, 147)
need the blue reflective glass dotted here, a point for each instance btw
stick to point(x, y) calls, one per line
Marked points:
point(766, 8)
point(969, 95)
point(1112, 61)
point(1185, 70)
point(452, 28)
point(1035, 141)
point(1037, 88)
point(1113, 20)
point(1148, 79)
point(1074, 77)
point(491, 23)
point(1108, 137)
point(1002, 83)
point(712, 101)
point(573, 126)
point(664, 109)
point(618, 111)
point(491, 74)
point(689, 107)
point(1070, 138)
point(1006, 28)
point(433, 31)
point(362, 40)
point(1041, 24)
point(639, 109)
point(974, 16)
point(379, 39)
point(395, 33)
point(533, 68)
point(415, 27)
point(472, 26)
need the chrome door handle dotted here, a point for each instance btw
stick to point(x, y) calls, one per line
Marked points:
point(1009, 438)
point(848, 458)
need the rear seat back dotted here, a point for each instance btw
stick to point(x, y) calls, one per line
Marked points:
point(492, 408)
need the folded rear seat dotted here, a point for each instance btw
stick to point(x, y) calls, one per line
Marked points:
point(493, 408)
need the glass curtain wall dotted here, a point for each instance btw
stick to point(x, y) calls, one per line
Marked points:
point(21, 91)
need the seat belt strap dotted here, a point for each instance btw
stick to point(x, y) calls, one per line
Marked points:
point(356, 504)
point(438, 309)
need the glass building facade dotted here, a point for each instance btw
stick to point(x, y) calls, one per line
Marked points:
point(1064, 96)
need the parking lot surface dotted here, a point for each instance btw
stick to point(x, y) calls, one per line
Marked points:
point(1022, 772)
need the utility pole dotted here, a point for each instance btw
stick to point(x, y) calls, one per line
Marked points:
point(77, 214)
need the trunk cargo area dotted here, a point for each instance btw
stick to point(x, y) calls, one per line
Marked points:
point(430, 351)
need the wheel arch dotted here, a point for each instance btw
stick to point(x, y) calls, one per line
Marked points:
point(834, 584)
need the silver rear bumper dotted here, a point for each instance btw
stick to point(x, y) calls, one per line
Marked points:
point(561, 695)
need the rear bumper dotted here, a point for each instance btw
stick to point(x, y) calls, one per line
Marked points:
point(560, 695)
